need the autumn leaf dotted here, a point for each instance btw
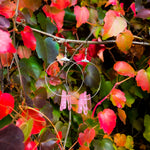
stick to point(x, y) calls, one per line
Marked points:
point(6, 104)
point(118, 98)
point(30, 5)
point(120, 139)
point(6, 43)
point(82, 15)
point(30, 145)
point(87, 136)
point(111, 2)
point(132, 6)
point(107, 120)
point(122, 115)
point(60, 4)
point(7, 9)
point(28, 38)
point(123, 68)
point(124, 41)
point(38, 121)
point(143, 79)
point(23, 52)
point(55, 15)
point(59, 136)
point(111, 28)
point(6, 59)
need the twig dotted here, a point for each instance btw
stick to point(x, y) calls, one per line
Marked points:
point(62, 40)
point(1, 76)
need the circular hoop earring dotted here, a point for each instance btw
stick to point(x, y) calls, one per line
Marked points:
point(87, 61)
point(66, 85)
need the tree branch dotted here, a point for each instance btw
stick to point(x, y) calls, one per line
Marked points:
point(62, 40)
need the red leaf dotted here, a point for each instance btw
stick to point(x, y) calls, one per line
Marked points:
point(7, 9)
point(28, 38)
point(124, 40)
point(143, 79)
point(60, 4)
point(38, 120)
point(30, 145)
point(23, 52)
point(59, 136)
point(111, 28)
point(118, 98)
point(112, 2)
point(132, 6)
point(80, 56)
point(107, 120)
point(6, 104)
point(83, 147)
point(82, 15)
point(87, 136)
point(124, 69)
point(54, 81)
point(6, 43)
point(57, 16)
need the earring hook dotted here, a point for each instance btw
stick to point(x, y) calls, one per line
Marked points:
point(65, 56)
point(85, 58)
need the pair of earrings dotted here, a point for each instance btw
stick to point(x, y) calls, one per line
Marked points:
point(64, 75)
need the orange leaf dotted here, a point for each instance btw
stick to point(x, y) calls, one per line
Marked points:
point(124, 41)
point(60, 4)
point(118, 98)
point(143, 79)
point(120, 139)
point(23, 52)
point(82, 15)
point(114, 24)
point(6, 59)
point(124, 69)
point(122, 115)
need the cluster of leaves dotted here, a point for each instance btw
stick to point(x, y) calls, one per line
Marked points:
point(35, 88)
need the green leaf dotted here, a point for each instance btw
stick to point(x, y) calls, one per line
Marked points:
point(5, 121)
point(129, 99)
point(26, 128)
point(31, 67)
point(129, 142)
point(47, 49)
point(146, 133)
point(104, 144)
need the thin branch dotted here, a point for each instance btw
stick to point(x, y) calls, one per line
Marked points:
point(62, 40)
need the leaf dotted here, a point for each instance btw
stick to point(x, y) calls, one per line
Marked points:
point(7, 9)
point(6, 59)
point(6, 104)
point(111, 2)
point(124, 41)
point(129, 142)
point(31, 5)
point(38, 120)
point(33, 67)
point(129, 99)
point(40, 97)
point(6, 43)
point(51, 48)
point(82, 15)
point(24, 52)
point(118, 98)
point(30, 145)
point(143, 79)
point(104, 144)
point(132, 6)
point(111, 28)
point(146, 133)
point(55, 15)
point(59, 136)
point(26, 128)
point(123, 68)
point(107, 120)
point(120, 139)
point(83, 147)
point(27, 34)
point(4, 23)
point(60, 4)
point(122, 115)
point(87, 136)
point(11, 137)
point(143, 13)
